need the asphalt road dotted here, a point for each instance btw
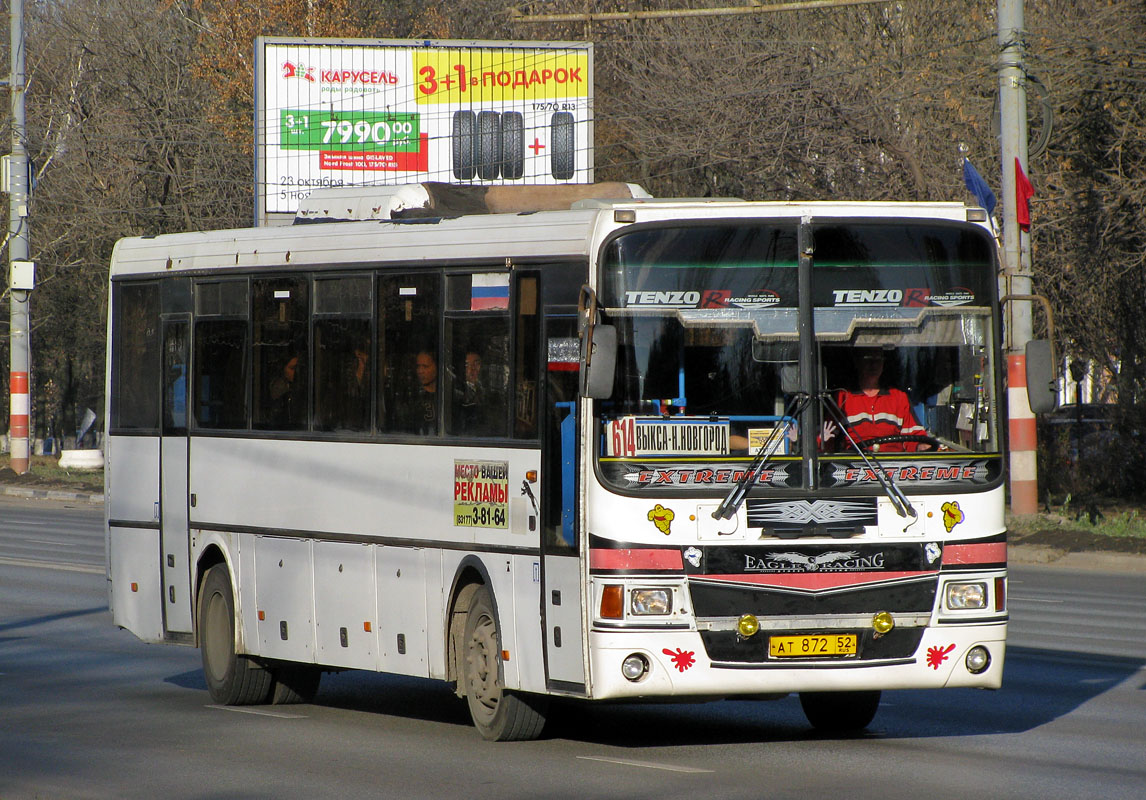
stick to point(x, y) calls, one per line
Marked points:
point(87, 711)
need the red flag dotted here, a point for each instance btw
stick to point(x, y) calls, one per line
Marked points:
point(1023, 194)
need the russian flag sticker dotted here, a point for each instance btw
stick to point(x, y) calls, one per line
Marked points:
point(489, 291)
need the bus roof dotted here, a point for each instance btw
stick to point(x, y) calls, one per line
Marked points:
point(433, 225)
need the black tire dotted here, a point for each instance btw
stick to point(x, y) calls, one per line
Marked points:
point(295, 683)
point(232, 679)
point(462, 140)
point(561, 146)
point(512, 145)
point(499, 715)
point(488, 145)
point(840, 712)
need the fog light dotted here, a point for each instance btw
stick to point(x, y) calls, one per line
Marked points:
point(882, 622)
point(747, 625)
point(978, 659)
point(963, 596)
point(634, 667)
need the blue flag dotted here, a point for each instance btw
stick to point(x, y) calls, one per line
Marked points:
point(978, 187)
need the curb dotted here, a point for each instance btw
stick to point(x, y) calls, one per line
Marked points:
point(51, 494)
point(1037, 555)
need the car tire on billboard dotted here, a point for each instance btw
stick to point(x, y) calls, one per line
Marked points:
point(562, 143)
point(463, 145)
point(512, 145)
point(489, 145)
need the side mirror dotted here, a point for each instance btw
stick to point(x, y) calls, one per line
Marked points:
point(789, 379)
point(1042, 382)
point(598, 360)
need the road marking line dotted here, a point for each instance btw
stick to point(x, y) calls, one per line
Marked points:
point(646, 764)
point(258, 712)
point(24, 562)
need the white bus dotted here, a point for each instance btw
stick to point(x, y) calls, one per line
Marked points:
point(574, 452)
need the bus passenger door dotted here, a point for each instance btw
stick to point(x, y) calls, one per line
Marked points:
point(173, 455)
point(562, 599)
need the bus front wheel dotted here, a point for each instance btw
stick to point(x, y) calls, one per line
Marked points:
point(840, 712)
point(232, 679)
point(499, 715)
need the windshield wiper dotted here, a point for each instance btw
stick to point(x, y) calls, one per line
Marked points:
point(897, 498)
point(735, 497)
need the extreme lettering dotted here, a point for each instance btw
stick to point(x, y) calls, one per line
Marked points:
point(957, 472)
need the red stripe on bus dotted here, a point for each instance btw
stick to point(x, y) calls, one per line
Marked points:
point(993, 553)
point(599, 558)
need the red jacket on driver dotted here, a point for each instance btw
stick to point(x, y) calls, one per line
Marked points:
point(887, 413)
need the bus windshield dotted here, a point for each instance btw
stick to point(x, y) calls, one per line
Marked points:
point(708, 320)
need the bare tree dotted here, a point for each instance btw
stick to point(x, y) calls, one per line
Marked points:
point(121, 147)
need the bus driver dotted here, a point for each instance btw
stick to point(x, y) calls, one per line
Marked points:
point(873, 410)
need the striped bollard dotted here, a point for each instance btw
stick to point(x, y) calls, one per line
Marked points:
point(1023, 439)
point(18, 421)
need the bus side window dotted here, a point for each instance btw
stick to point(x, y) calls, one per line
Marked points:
point(409, 313)
point(281, 316)
point(343, 372)
point(560, 458)
point(478, 377)
point(526, 358)
point(477, 354)
point(135, 376)
point(220, 371)
point(220, 385)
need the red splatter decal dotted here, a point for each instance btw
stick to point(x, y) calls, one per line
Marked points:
point(937, 655)
point(682, 660)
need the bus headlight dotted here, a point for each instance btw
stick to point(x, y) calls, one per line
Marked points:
point(964, 596)
point(647, 602)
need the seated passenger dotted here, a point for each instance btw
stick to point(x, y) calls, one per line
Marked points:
point(477, 406)
point(287, 396)
point(421, 409)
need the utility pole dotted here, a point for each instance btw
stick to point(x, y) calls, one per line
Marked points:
point(20, 270)
point(1016, 258)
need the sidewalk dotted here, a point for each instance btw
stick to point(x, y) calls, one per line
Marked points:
point(38, 493)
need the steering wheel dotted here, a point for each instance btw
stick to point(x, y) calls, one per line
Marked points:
point(867, 444)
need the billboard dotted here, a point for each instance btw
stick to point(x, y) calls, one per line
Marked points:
point(333, 112)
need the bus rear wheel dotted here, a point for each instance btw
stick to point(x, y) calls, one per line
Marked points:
point(840, 712)
point(232, 679)
point(499, 715)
